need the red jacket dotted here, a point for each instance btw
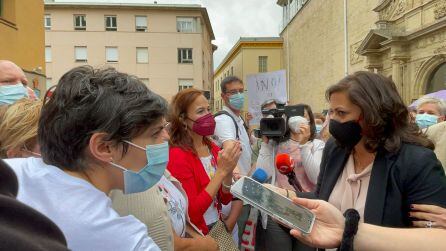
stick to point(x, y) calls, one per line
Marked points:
point(187, 168)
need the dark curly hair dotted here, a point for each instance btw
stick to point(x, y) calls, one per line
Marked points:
point(87, 101)
point(386, 117)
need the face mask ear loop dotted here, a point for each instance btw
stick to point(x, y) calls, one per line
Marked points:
point(118, 166)
point(135, 145)
point(29, 151)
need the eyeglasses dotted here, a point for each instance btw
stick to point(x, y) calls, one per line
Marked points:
point(233, 92)
point(167, 126)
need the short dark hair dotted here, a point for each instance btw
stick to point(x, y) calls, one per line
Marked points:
point(228, 80)
point(87, 101)
point(386, 117)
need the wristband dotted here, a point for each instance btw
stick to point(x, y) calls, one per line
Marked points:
point(351, 228)
point(226, 186)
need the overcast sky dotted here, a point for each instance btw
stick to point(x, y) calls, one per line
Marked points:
point(230, 19)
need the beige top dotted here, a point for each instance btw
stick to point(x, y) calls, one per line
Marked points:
point(350, 190)
point(150, 209)
point(437, 133)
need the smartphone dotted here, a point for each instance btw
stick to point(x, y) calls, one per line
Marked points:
point(275, 205)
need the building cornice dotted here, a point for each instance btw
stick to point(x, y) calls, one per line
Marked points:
point(381, 6)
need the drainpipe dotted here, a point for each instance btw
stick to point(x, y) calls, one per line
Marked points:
point(288, 53)
point(345, 39)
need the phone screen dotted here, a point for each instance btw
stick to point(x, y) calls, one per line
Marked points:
point(274, 204)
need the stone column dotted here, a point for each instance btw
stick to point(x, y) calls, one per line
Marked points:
point(397, 75)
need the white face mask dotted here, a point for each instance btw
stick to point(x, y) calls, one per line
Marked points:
point(295, 122)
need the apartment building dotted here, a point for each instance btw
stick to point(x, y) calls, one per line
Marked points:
point(169, 47)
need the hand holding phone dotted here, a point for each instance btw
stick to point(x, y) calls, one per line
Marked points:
point(275, 205)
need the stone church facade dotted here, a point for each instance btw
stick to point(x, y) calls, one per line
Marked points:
point(401, 39)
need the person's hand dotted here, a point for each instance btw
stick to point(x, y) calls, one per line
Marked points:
point(428, 213)
point(249, 116)
point(327, 229)
point(276, 189)
point(228, 157)
point(302, 135)
point(205, 243)
point(236, 173)
point(305, 133)
point(229, 225)
point(265, 139)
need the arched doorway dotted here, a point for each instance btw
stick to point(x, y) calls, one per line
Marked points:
point(437, 80)
point(425, 73)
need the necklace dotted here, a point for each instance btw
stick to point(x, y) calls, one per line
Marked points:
point(359, 167)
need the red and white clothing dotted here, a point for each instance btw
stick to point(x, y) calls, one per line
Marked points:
point(188, 168)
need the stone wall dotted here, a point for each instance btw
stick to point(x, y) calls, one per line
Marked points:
point(316, 41)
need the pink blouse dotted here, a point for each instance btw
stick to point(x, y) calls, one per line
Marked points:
point(350, 190)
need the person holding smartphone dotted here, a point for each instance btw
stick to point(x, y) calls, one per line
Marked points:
point(306, 151)
point(329, 228)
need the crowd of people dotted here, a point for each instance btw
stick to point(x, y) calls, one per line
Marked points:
point(104, 163)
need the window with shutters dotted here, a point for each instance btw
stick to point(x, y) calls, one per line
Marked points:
point(263, 63)
point(185, 83)
point(142, 55)
point(80, 53)
point(187, 24)
point(111, 54)
point(141, 23)
point(48, 54)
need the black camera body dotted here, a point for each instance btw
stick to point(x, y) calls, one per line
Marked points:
point(275, 127)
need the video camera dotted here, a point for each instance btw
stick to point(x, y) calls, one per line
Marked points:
point(275, 126)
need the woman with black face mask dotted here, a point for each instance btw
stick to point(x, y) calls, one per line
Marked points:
point(377, 162)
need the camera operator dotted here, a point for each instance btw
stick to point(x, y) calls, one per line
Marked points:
point(306, 151)
point(257, 142)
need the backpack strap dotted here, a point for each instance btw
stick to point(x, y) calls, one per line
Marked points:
point(223, 112)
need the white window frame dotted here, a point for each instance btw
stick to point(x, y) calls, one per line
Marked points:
point(108, 49)
point(263, 63)
point(140, 58)
point(47, 21)
point(111, 27)
point(139, 26)
point(146, 81)
point(185, 83)
point(77, 58)
point(185, 56)
point(187, 24)
point(80, 26)
point(48, 54)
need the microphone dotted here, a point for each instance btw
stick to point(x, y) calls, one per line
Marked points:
point(285, 165)
point(260, 175)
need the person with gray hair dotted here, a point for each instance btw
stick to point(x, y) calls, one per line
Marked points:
point(12, 83)
point(430, 111)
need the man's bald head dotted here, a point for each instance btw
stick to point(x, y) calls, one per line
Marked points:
point(10, 73)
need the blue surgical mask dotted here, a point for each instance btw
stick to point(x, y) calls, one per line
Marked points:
point(237, 100)
point(425, 120)
point(150, 174)
point(9, 94)
point(318, 129)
